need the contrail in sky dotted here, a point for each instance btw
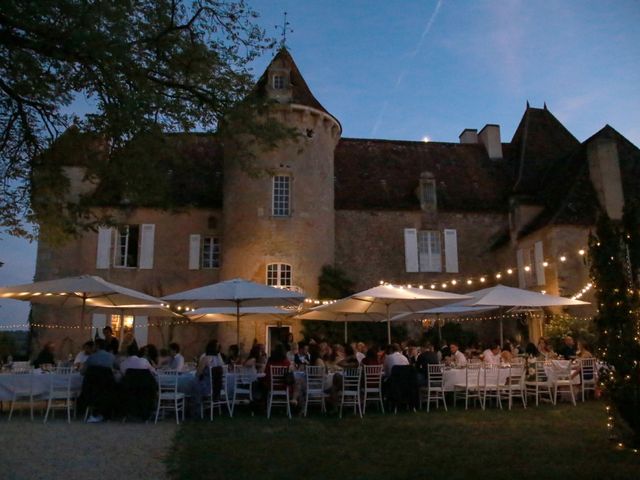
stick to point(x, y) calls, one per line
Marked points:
point(403, 73)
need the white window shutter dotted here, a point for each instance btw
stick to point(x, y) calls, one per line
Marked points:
point(141, 329)
point(146, 245)
point(411, 249)
point(521, 272)
point(194, 252)
point(539, 259)
point(104, 247)
point(451, 250)
point(99, 321)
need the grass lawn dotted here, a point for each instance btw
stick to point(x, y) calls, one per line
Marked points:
point(539, 443)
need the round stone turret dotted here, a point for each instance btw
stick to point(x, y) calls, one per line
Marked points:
point(279, 226)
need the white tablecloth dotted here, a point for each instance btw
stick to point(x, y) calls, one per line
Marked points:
point(40, 383)
point(458, 376)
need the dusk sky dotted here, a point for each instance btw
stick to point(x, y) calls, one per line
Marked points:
point(408, 70)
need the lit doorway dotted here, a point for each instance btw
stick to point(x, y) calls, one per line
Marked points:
point(276, 334)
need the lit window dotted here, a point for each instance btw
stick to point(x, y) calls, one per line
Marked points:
point(429, 251)
point(126, 248)
point(278, 82)
point(281, 196)
point(210, 252)
point(427, 191)
point(279, 275)
point(117, 324)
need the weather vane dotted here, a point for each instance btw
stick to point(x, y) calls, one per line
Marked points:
point(285, 28)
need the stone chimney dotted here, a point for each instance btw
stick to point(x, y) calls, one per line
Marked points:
point(489, 136)
point(469, 135)
point(604, 171)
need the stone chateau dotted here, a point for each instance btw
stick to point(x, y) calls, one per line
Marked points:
point(403, 211)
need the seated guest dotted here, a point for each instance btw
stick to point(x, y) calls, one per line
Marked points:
point(393, 357)
point(111, 343)
point(278, 358)
point(100, 357)
point(150, 352)
point(491, 356)
point(545, 350)
point(81, 357)
point(506, 355)
point(291, 354)
point(457, 357)
point(233, 355)
point(302, 357)
point(45, 357)
point(411, 353)
point(583, 350)
point(134, 362)
point(252, 359)
point(568, 350)
point(361, 351)
point(371, 357)
point(426, 358)
point(532, 351)
point(211, 358)
point(315, 358)
point(176, 361)
point(350, 360)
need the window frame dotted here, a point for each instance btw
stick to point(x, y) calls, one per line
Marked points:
point(433, 238)
point(120, 256)
point(278, 81)
point(281, 206)
point(283, 271)
point(214, 256)
point(428, 185)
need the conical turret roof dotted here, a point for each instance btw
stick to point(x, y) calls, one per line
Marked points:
point(300, 92)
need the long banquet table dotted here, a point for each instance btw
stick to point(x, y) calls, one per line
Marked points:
point(39, 382)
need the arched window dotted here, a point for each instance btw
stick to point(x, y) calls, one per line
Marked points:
point(279, 275)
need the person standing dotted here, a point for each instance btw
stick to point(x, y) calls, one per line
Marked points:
point(112, 345)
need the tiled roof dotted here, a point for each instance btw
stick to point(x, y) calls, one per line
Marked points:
point(187, 171)
point(384, 174)
point(540, 141)
point(569, 196)
point(300, 91)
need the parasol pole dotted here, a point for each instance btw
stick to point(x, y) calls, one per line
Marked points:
point(345, 329)
point(439, 328)
point(84, 299)
point(238, 323)
point(388, 324)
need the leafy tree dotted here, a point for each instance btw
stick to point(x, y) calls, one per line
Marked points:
point(617, 319)
point(147, 67)
point(562, 325)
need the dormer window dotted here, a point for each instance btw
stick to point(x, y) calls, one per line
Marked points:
point(278, 82)
point(428, 199)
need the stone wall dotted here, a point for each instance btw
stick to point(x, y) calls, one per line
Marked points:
point(370, 245)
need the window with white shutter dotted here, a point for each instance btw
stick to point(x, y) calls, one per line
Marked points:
point(194, 252)
point(451, 250)
point(104, 248)
point(126, 247)
point(146, 245)
point(411, 249)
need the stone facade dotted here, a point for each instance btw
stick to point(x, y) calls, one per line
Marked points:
point(477, 209)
